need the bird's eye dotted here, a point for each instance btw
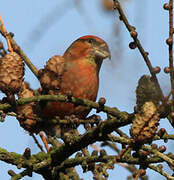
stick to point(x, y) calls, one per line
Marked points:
point(90, 41)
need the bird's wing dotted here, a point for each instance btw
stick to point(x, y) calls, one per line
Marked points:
point(50, 76)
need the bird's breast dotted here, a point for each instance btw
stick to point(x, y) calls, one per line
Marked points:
point(80, 80)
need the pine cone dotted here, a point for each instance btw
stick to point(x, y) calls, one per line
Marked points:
point(11, 73)
point(145, 124)
point(50, 76)
point(26, 113)
point(146, 91)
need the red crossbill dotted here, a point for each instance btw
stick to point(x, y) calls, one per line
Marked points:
point(75, 73)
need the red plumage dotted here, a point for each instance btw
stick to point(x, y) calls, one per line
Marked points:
point(75, 73)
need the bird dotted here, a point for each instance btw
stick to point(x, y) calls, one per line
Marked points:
point(75, 73)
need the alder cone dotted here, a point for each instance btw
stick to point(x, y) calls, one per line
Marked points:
point(145, 124)
point(50, 76)
point(26, 113)
point(11, 73)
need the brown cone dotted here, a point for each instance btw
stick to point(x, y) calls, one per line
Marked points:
point(50, 76)
point(11, 73)
point(26, 113)
point(145, 124)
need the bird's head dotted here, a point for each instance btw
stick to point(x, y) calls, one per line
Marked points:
point(89, 48)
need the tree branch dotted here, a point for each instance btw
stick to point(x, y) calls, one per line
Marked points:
point(26, 172)
point(134, 35)
point(159, 154)
point(160, 171)
point(94, 134)
point(77, 101)
point(170, 44)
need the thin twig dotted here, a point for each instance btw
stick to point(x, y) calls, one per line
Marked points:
point(75, 121)
point(45, 141)
point(171, 46)
point(15, 176)
point(159, 154)
point(131, 168)
point(111, 145)
point(134, 34)
point(28, 62)
point(121, 133)
point(77, 101)
point(6, 35)
point(37, 142)
point(159, 170)
point(79, 160)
